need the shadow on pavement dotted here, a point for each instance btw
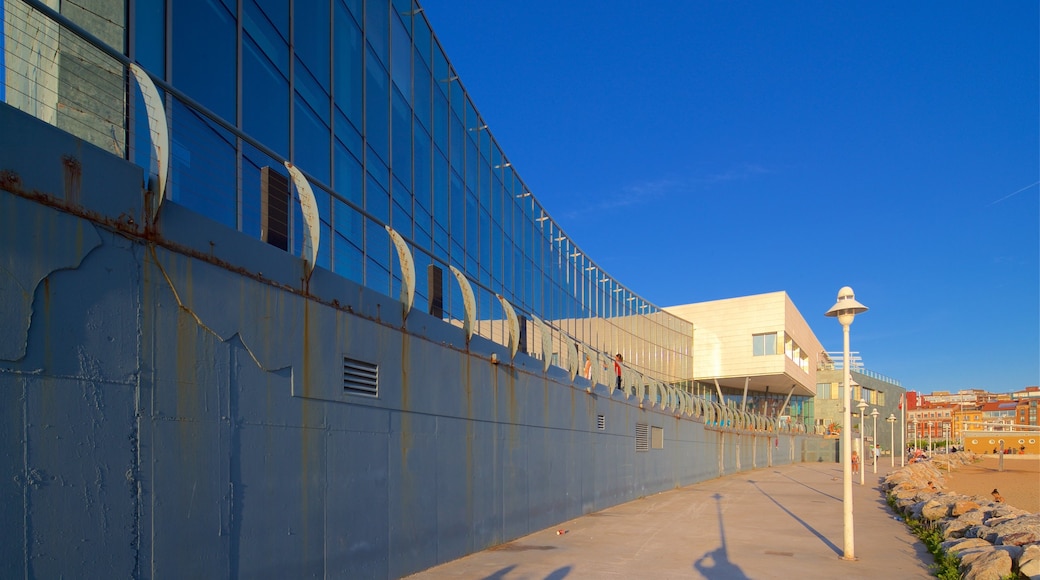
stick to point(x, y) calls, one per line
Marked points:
point(805, 524)
point(715, 564)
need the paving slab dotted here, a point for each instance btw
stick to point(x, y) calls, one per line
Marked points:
point(776, 522)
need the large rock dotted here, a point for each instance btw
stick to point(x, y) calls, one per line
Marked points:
point(983, 564)
point(962, 507)
point(1029, 562)
point(1014, 531)
point(954, 546)
point(934, 510)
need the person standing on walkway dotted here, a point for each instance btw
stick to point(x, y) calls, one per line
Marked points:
point(617, 370)
point(855, 462)
point(877, 453)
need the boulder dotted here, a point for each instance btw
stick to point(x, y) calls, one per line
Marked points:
point(934, 510)
point(954, 546)
point(983, 564)
point(962, 507)
point(1029, 562)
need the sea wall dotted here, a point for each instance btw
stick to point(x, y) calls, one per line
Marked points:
point(178, 399)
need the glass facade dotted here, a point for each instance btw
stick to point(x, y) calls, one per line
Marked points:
point(361, 97)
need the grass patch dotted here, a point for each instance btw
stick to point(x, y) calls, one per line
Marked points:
point(946, 565)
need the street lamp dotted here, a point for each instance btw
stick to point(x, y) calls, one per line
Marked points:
point(846, 309)
point(874, 414)
point(892, 430)
point(929, 438)
point(862, 406)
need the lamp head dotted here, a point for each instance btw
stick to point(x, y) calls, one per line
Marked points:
point(861, 405)
point(891, 418)
point(846, 308)
point(874, 413)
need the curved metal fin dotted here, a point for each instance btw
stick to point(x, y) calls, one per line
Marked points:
point(469, 303)
point(407, 270)
point(543, 330)
point(572, 360)
point(309, 209)
point(160, 134)
point(514, 325)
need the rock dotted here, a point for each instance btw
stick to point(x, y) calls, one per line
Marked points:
point(984, 564)
point(954, 546)
point(962, 507)
point(1029, 562)
point(934, 510)
point(1015, 531)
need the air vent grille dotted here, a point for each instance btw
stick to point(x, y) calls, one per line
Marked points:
point(642, 438)
point(601, 422)
point(360, 377)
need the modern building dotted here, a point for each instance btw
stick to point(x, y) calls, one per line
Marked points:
point(877, 391)
point(276, 304)
point(755, 352)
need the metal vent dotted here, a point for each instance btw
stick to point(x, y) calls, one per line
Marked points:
point(601, 422)
point(657, 437)
point(360, 377)
point(642, 438)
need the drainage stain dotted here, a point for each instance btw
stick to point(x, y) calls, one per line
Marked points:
point(772, 553)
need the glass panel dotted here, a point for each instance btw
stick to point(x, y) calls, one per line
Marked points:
point(377, 200)
point(421, 34)
point(312, 144)
point(401, 165)
point(150, 36)
point(308, 88)
point(377, 108)
point(401, 69)
point(311, 20)
point(377, 28)
point(205, 71)
point(349, 66)
point(202, 166)
point(350, 178)
point(422, 186)
point(265, 99)
point(423, 96)
point(347, 239)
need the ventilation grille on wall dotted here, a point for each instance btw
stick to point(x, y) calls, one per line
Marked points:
point(360, 378)
point(642, 439)
point(601, 422)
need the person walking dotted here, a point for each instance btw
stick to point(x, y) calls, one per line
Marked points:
point(617, 370)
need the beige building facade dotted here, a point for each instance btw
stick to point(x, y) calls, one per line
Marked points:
point(756, 352)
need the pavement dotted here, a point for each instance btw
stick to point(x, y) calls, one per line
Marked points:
point(774, 522)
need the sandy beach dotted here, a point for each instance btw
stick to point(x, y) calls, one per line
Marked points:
point(1019, 483)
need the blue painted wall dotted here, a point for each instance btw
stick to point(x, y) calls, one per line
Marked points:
point(172, 403)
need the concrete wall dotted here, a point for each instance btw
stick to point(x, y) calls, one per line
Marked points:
point(173, 404)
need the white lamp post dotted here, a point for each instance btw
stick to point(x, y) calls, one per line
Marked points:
point(892, 431)
point(862, 406)
point(929, 438)
point(846, 309)
point(874, 455)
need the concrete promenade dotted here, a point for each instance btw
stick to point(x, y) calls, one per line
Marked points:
point(775, 522)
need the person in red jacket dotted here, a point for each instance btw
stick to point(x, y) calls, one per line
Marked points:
point(617, 370)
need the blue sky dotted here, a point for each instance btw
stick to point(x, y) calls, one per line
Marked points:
point(705, 150)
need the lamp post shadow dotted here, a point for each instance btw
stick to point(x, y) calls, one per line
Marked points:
point(715, 564)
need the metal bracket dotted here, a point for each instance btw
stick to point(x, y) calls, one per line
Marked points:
point(309, 209)
point(469, 303)
point(543, 330)
point(514, 325)
point(160, 133)
point(407, 269)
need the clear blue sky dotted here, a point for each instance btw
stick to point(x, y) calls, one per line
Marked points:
point(706, 150)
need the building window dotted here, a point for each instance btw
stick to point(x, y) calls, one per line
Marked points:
point(656, 437)
point(764, 344)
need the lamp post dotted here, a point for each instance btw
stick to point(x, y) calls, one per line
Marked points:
point(874, 414)
point(846, 309)
point(929, 438)
point(862, 406)
point(892, 431)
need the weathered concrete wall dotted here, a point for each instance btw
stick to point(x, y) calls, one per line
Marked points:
point(172, 404)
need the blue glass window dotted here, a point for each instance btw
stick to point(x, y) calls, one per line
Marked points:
point(312, 144)
point(401, 67)
point(311, 42)
point(349, 61)
point(402, 140)
point(265, 99)
point(205, 71)
point(377, 28)
point(377, 108)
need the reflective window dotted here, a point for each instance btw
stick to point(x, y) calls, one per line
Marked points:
point(205, 71)
point(265, 99)
point(377, 28)
point(401, 164)
point(377, 108)
point(311, 42)
point(401, 67)
point(349, 66)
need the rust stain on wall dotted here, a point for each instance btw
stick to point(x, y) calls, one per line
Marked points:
point(72, 171)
